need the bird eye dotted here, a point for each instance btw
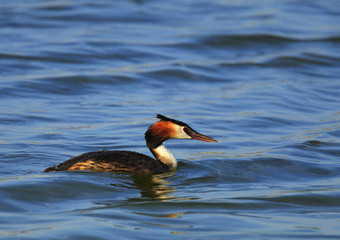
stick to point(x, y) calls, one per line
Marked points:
point(185, 129)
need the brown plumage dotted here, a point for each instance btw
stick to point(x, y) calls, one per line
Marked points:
point(109, 161)
point(128, 161)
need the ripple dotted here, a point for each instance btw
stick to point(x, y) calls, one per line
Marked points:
point(54, 58)
point(305, 199)
point(300, 61)
point(326, 148)
point(240, 40)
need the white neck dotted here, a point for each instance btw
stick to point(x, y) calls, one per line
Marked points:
point(165, 156)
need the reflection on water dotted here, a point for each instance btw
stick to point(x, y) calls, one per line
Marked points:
point(155, 187)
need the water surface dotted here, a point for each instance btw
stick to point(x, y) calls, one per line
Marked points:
point(261, 77)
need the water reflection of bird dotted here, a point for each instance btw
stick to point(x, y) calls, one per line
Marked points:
point(128, 161)
point(155, 186)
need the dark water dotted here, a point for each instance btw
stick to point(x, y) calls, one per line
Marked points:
point(262, 77)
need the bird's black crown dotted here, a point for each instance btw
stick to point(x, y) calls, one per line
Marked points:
point(164, 118)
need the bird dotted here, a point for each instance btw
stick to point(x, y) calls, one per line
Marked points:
point(133, 162)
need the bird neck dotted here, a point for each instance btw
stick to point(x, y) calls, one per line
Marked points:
point(162, 154)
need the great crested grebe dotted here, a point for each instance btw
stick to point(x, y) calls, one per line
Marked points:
point(128, 161)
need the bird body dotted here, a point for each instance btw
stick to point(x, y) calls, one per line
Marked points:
point(129, 161)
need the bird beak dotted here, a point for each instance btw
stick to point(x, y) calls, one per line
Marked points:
point(198, 136)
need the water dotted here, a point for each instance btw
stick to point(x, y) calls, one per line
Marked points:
point(261, 77)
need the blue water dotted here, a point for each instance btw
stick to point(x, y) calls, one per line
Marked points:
point(261, 77)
